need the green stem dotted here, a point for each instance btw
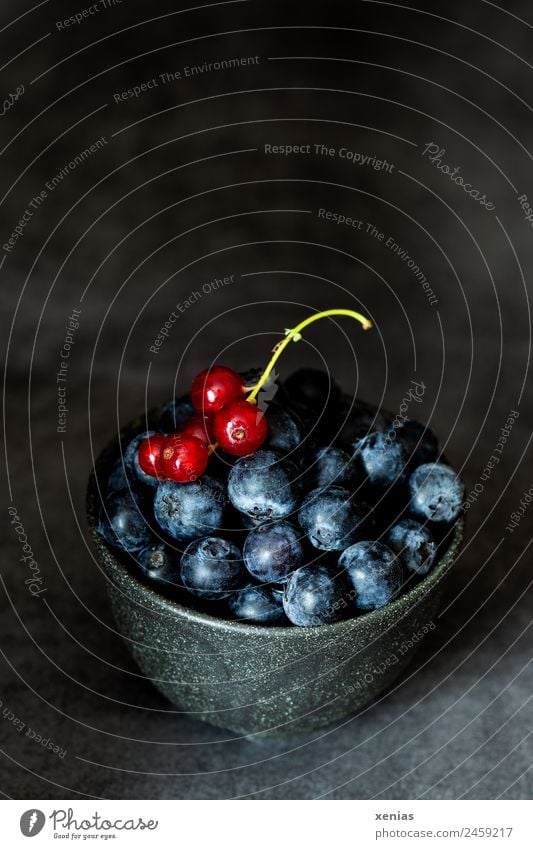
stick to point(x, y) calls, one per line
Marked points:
point(294, 334)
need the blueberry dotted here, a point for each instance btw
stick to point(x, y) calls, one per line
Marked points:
point(383, 459)
point(262, 486)
point(309, 389)
point(175, 414)
point(374, 572)
point(160, 563)
point(189, 510)
point(118, 479)
point(122, 523)
point(330, 466)
point(128, 489)
point(212, 568)
point(354, 420)
point(315, 595)
point(131, 462)
point(414, 545)
point(331, 519)
point(436, 493)
point(420, 443)
point(285, 430)
point(272, 551)
point(258, 604)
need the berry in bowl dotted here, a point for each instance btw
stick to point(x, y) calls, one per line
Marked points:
point(273, 568)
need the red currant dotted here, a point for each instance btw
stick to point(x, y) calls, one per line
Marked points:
point(149, 455)
point(184, 458)
point(215, 388)
point(199, 426)
point(240, 428)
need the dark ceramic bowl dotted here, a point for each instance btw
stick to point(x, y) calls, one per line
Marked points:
point(250, 678)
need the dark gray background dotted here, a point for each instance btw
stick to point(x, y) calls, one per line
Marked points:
point(142, 227)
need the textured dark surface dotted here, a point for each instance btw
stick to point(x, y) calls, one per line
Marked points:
point(140, 232)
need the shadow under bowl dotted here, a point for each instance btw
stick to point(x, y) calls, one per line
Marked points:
point(254, 679)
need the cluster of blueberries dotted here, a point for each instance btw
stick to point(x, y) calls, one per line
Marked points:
point(337, 513)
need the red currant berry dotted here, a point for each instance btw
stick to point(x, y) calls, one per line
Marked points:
point(240, 428)
point(215, 388)
point(149, 455)
point(184, 458)
point(199, 426)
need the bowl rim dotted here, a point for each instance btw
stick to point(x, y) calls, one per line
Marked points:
point(400, 605)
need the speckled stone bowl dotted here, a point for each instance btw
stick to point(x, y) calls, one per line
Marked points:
point(251, 679)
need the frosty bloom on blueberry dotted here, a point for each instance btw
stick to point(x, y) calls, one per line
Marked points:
point(436, 492)
point(122, 523)
point(330, 465)
point(302, 509)
point(331, 518)
point(384, 462)
point(375, 573)
point(272, 551)
point(258, 604)
point(212, 568)
point(314, 595)
point(414, 545)
point(189, 511)
point(263, 486)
